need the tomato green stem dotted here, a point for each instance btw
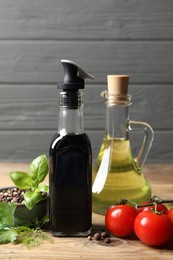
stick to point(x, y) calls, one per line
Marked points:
point(125, 201)
point(152, 201)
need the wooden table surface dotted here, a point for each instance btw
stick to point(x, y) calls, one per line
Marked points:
point(161, 180)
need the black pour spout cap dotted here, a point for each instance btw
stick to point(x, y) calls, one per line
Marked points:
point(74, 76)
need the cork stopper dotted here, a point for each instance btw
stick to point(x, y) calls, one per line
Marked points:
point(117, 84)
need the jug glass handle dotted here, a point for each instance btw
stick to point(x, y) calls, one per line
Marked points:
point(147, 141)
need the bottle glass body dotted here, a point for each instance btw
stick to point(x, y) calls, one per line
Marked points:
point(116, 173)
point(70, 176)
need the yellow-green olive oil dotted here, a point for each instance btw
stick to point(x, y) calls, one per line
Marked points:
point(116, 176)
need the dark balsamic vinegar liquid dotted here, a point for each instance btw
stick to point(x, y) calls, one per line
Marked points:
point(70, 185)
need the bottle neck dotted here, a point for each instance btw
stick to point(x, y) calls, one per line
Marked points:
point(70, 120)
point(117, 117)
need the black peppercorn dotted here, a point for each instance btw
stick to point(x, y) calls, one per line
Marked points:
point(104, 234)
point(97, 236)
point(107, 240)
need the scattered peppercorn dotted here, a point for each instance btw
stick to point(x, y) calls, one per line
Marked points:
point(97, 236)
point(107, 240)
point(90, 238)
point(103, 235)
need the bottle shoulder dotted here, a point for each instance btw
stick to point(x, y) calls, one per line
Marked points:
point(76, 140)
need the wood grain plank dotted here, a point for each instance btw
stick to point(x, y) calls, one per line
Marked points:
point(35, 107)
point(26, 145)
point(39, 62)
point(77, 248)
point(63, 19)
point(70, 249)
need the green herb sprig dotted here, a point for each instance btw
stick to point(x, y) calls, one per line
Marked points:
point(28, 236)
point(31, 181)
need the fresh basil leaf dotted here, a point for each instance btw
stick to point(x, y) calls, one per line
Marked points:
point(39, 168)
point(42, 188)
point(35, 184)
point(7, 236)
point(7, 214)
point(31, 198)
point(21, 179)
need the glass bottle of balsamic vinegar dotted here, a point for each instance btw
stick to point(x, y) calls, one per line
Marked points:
point(116, 173)
point(70, 174)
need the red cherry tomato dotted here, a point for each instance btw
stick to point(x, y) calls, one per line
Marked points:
point(152, 228)
point(170, 214)
point(160, 207)
point(119, 220)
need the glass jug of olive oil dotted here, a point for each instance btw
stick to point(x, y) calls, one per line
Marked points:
point(116, 173)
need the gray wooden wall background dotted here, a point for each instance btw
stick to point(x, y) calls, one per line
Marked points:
point(132, 37)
